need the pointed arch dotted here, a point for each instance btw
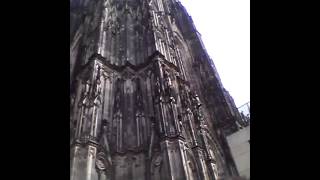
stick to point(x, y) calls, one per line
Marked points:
point(216, 165)
point(181, 52)
point(193, 169)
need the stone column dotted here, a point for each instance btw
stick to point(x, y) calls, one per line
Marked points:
point(171, 141)
point(85, 145)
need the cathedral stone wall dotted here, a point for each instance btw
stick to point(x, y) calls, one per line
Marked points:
point(146, 100)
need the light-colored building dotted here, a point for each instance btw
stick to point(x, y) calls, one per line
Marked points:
point(239, 143)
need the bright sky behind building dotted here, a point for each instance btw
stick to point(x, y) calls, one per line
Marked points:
point(225, 29)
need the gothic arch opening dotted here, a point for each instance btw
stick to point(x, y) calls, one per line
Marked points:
point(193, 169)
point(215, 165)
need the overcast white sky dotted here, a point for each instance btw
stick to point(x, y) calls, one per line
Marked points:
point(225, 29)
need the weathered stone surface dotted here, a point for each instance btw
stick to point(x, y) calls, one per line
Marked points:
point(146, 100)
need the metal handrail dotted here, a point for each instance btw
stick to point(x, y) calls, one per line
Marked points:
point(244, 111)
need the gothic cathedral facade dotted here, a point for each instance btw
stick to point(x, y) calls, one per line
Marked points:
point(146, 100)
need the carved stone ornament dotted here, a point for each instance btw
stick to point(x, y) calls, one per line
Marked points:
point(91, 152)
point(100, 162)
point(100, 165)
point(158, 160)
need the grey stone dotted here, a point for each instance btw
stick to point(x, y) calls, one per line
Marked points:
point(147, 102)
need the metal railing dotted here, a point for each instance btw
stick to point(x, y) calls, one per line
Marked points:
point(244, 111)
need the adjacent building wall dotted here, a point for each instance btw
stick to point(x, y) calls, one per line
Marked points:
point(239, 143)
